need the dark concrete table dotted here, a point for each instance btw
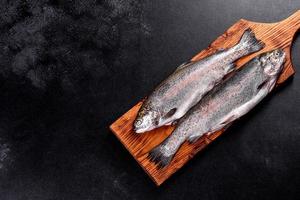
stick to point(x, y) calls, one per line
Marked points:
point(69, 69)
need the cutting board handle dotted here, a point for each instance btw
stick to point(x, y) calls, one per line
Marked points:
point(293, 21)
point(294, 17)
point(288, 26)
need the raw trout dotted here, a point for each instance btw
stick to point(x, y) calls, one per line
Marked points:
point(224, 104)
point(189, 83)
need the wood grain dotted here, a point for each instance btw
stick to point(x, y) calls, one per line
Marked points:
point(274, 35)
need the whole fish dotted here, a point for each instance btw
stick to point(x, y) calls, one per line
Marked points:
point(227, 102)
point(189, 83)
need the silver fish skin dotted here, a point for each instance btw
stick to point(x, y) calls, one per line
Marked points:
point(189, 83)
point(226, 103)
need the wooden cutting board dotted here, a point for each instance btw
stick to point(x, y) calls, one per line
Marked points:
point(274, 35)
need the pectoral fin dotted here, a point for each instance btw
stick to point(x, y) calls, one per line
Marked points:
point(228, 119)
point(230, 68)
point(193, 138)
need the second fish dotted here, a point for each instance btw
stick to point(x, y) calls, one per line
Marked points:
point(226, 103)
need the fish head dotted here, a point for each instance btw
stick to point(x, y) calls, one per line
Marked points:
point(146, 120)
point(272, 63)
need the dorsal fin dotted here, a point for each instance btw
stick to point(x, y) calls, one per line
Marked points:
point(220, 50)
point(183, 65)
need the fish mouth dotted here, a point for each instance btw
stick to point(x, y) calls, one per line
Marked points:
point(143, 127)
point(142, 130)
point(137, 130)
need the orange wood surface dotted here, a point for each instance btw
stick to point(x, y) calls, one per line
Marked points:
point(274, 35)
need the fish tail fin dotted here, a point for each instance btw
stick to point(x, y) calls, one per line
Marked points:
point(249, 42)
point(157, 156)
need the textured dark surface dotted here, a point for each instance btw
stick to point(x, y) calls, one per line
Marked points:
point(69, 69)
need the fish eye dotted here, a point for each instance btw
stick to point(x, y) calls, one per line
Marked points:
point(138, 122)
point(276, 53)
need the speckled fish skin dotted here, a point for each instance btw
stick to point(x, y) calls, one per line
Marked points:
point(189, 83)
point(229, 101)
